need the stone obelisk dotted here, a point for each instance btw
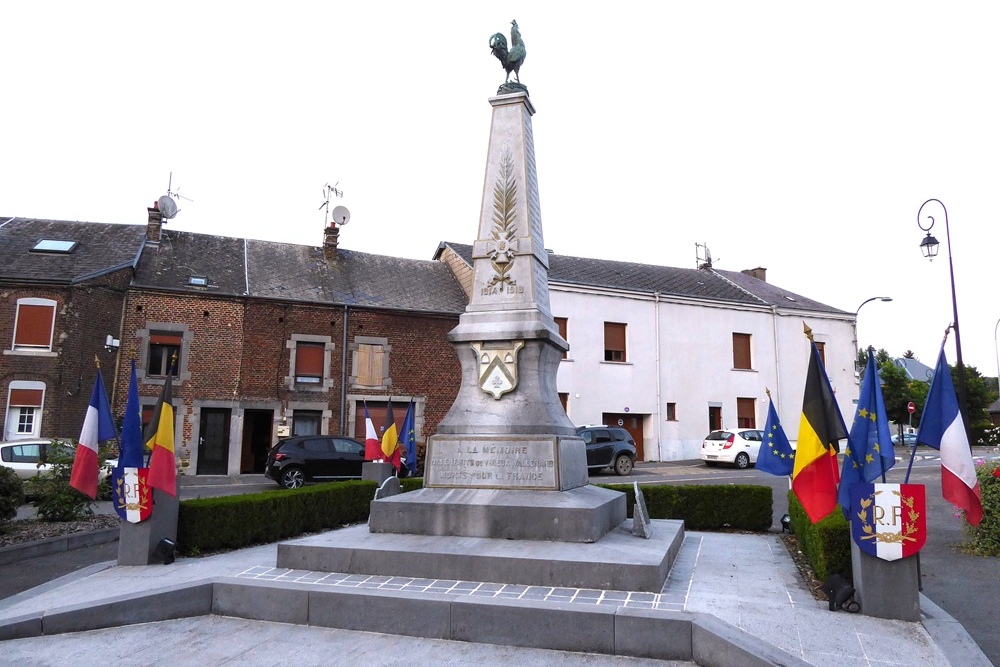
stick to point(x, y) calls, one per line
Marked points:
point(506, 461)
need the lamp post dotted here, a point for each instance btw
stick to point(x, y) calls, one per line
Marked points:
point(857, 350)
point(996, 352)
point(929, 248)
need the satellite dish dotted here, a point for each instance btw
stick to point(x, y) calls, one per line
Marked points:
point(341, 215)
point(167, 206)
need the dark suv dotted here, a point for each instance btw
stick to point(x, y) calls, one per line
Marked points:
point(314, 458)
point(608, 447)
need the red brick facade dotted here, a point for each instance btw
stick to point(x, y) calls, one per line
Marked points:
point(85, 314)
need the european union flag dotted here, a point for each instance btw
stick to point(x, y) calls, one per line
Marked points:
point(869, 450)
point(410, 439)
point(776, 455)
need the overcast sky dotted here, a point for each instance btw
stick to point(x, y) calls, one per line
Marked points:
point(800, 137)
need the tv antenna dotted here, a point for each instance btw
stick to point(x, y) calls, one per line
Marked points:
point(703, 260)
point(339, 215)
point(167, 203)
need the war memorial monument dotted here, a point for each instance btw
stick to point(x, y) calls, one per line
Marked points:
point(506, 495)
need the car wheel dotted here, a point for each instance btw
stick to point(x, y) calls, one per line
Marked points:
point(623, 465)
point(292, 478)
point(742, 460)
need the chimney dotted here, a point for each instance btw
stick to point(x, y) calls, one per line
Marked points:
point(760, 273)
point(155, 225)
point(330, 236)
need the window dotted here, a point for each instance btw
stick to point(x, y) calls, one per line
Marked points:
point(741, 351)
point(746, 416)
point(671, 412)
point(614, 341)
point(564, 401)
point(370, 362)
point(164, 354)
point(53, 246)
point(561, 324)
point(306, 422)
point(821, 348)
point(309, 358)
point(24, 409)
point(161, 344)
point(33, 324)
point(309, 363)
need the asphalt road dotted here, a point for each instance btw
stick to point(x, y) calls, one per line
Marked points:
point(964, 585)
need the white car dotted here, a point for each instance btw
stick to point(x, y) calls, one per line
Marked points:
point(22, 456)
point(737, 446)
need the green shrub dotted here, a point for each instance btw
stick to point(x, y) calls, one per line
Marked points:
point(986, 536)
point(705, 507)
point(11, 494)
point(50, 491)
point(825, 544)
point(233, 522)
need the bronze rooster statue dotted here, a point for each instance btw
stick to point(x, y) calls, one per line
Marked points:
point(512, 59)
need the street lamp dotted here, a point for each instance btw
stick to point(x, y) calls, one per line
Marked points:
point(857, 350)
point(996, 352)
point(929, 248)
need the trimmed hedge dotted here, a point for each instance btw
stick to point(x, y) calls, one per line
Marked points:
point(233, 522)
point(705, 507)
point(826, 544)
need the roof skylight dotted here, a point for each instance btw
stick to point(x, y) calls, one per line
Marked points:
point(52, 245)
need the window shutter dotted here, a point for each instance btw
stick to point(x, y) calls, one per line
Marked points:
point(25, 398)
point(34, 325)
point(371, 359)
point(741, 351)
point(309, 359)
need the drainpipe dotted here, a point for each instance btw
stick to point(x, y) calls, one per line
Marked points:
point(659, 374)
point(343, 376)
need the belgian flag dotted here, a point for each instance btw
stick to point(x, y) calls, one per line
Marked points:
point(815, 476)
point(159, 438)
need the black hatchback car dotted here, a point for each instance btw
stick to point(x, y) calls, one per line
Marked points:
point(608, 447)
point(314, 458)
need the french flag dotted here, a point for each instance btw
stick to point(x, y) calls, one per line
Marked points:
point(98, 426)
point(373, 448)
point(942, 428)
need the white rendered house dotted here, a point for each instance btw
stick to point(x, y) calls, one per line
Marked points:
point(671, 354)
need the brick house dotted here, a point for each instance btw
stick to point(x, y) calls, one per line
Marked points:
point(277, 339)
point(62, 287)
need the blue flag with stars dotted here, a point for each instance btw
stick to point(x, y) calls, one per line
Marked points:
point(776, 455)
point(869, 452)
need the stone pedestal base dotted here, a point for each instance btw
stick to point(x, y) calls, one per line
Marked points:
point(619, 561)
point(373, 471)
point(584, 514)
point(138, 541)
point(886, 588)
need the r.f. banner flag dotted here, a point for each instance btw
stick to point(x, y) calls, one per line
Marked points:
point(98, 426)
point(942, 427)
point(869, 452)
point(821, 427)
point(776, 455)
point(159, 437)
point(131, 494)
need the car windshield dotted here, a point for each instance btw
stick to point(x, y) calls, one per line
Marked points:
point(718, 435)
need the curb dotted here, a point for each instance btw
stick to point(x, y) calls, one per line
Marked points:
point(52, 545)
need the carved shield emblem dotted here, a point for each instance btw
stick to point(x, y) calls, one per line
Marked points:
point(889, 521)
point(498, 366)
point(131, 495)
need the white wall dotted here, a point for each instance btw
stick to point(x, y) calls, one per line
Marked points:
point(680, 351)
